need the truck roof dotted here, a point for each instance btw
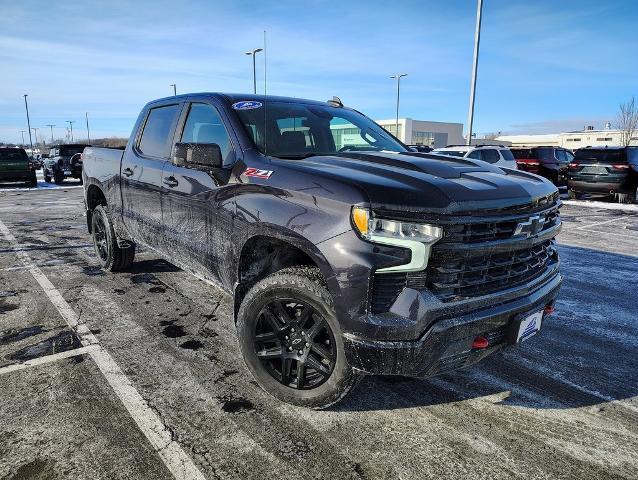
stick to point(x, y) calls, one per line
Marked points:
point(236, 97)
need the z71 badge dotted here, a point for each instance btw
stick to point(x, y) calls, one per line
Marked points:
point(258, 173)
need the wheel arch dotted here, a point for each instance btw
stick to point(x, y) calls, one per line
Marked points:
point(94, 197)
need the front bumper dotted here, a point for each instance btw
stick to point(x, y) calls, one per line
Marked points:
point(447, 344)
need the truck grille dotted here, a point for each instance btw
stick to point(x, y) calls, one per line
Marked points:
point(480, 254)
point(459, 278)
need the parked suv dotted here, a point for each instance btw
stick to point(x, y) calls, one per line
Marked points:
point(548, 162)
point(494, 154)
point(607, 170)
point(16, 166)
point(59, 165)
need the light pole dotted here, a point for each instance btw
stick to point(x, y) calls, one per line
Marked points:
point(477, 41)
point(51, 127)
point(398, 78)
point(174, 89)
point(26, 106)
point(253, 53)
point(22, 132)
point(71, 122)
point(35, 134)
point(88, 132)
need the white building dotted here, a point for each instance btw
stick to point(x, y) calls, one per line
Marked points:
point(589, 137)
point(423, 132)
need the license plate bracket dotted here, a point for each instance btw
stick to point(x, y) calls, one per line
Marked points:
point(525, 326)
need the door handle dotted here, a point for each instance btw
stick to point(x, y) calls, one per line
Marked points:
point(170, 181)
point(127, 171)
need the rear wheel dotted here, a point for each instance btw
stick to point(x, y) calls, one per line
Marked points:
point(573, 195)
point(47, 175)
point(291, 340)
point(58, 177)
point(111, 256)
point(33, 181)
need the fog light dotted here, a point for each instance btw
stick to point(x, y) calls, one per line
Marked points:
point(480, 343)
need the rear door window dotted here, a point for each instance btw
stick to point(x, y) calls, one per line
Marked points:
point(507, 155)
point(490, 155)
point(476, 154)
point(157, 137)
point(604, 156)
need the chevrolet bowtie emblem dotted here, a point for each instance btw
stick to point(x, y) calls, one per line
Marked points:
point(532, 226)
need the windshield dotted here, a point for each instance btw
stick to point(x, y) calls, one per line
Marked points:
point(297, 130)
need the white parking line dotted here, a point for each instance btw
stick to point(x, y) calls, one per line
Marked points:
point(582, 227)
point(48, 359)
point(175, 459)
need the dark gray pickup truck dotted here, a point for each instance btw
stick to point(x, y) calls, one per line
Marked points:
point(346, 252)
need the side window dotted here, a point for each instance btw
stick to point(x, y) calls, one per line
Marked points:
point(560, 156)
point(476, 155)
point(569, 156)
point(204, 125)
point(490, 155)
point(157, 137)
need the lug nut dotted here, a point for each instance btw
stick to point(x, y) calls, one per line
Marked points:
point(292, 330)
point(300, 352)
point(290, 349)
point(286, 337)
point(307, 344)
point(303, 333)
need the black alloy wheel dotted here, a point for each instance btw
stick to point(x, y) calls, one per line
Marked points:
point(100, 239)
point(295, 344)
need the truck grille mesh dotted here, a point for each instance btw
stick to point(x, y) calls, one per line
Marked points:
point(455, 272)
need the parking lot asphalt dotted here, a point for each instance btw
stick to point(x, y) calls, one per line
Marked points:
point(562, 405)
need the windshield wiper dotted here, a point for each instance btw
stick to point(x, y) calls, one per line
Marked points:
point(299, 156)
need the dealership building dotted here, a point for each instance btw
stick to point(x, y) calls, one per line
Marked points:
point(588, 137)
point(411, 132)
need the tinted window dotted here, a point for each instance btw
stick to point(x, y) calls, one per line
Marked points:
point(10, 155)
point(157, 137)
point(204, 125)
point(451, 153)
point(568, 155)
point(522, 153)
point(507, 155)
point(68, 150)
point(476, 154)
point(490, 155)
point(586, 155)
point(546, 154)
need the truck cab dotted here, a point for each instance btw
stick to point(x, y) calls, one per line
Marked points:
point(344, 255)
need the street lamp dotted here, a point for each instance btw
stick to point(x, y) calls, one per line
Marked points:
point(35, 133)
point(88, 132)
point(26, 106)
point(398, 79)
point(51, 127)
point(22, 132)
point(71, 122)
point(252, 53)
point(174, 89)
point(477, 41)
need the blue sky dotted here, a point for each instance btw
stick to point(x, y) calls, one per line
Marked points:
point(545, 66)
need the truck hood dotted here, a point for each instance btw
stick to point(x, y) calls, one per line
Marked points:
point(426, 182)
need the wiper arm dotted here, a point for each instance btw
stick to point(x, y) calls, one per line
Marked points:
point(298, 156)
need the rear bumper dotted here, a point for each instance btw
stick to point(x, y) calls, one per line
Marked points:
point(16, 176)
point(447, 344)
point(607, 186)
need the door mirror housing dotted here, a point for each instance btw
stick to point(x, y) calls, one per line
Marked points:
point(191, 155)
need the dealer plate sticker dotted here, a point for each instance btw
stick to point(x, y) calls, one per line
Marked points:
point(529, 326)
point(247, 105)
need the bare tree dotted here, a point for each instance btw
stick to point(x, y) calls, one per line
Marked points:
point(627, 121)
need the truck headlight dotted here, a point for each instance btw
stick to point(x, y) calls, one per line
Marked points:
point(418, 237)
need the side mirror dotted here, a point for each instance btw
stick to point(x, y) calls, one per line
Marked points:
point(197, 155)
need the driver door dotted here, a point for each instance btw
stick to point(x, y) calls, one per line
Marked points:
point(196, 215)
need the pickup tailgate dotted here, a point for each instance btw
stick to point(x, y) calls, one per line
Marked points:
point(101, 163)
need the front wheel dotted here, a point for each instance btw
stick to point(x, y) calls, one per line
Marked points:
point(58, 177)
point(291, 340)
point(33, 181)
point(111, 256)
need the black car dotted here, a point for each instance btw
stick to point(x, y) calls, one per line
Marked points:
point(605, 171)
point(420, 148)
point(63, 163)
point(16, 166)
point(549, 162)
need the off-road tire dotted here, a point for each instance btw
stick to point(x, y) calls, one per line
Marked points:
point(58, 177)
point(305, 284)
point(110, 255)
point(47, 177)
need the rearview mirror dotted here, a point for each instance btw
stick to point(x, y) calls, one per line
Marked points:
point(197, 155)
